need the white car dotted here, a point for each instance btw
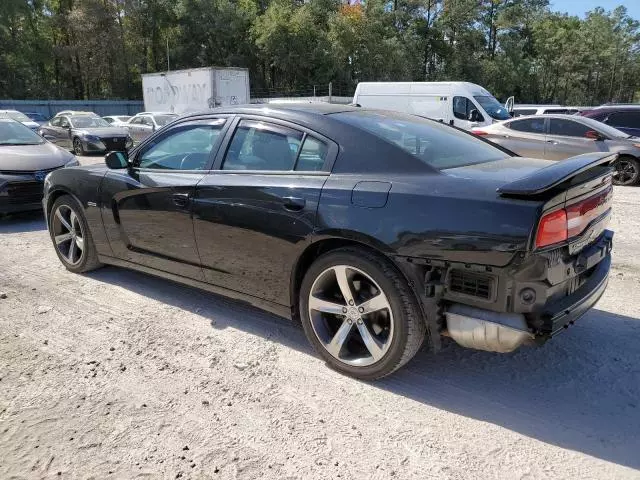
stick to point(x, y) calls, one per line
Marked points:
point(75, 112)
point(20, 117)
point(117, 120)
point(143, 124)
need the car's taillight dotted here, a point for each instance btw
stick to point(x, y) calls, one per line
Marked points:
point(572, 220)
point(480, 133)
point(552, 228)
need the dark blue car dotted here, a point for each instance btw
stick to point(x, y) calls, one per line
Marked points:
point(622, 117)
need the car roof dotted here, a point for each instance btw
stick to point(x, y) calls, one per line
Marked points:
point(276, 109)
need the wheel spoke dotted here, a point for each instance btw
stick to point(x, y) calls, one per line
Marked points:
point(343, 283)
point(339, 338)
point(375, 348)
point(320, 305)
point(379, 302)
point(64, 223)
point(73, 220)
point(72, 252)
point(62, 238)
point(80, 242)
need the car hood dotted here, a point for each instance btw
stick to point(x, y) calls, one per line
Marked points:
point(29, 158)
point(102, 131)
point(499, 172)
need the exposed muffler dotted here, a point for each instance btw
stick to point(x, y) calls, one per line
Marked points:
point(486, 330)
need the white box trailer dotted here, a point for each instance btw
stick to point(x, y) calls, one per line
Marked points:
point(195, 89)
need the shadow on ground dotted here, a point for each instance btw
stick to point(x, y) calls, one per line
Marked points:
point(22, 222)
point(580, 391)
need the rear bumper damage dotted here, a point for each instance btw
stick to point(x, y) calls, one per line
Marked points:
point(528, 301)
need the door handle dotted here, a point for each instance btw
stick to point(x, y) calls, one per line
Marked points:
point(181, 199)
point(552, 142)
point(293, 204)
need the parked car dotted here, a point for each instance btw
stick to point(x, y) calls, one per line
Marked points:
point(622, 117)
point(75, 112)
point(376, 229)
point(556, 137)
point(462, 104)
point(37, 117)
point(25, 160)
point(117, 120)
point(86, 134)
point(144, 124)
point(20, 117)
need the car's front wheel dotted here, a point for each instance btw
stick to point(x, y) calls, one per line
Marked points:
point(78, 149)
point(626, 171)
point(71, 236)
point(360, 314)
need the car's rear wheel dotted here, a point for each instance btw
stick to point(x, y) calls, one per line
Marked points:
point(360, 314)
point(626, 171)
point(78, 149)
point(71, 236)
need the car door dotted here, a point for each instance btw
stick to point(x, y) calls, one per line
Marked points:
point(628, 122)
point(147, 207)
point(146, 127)
point(50, 130)
point(525, 136)
point(567, 138)
point(63, 133)
point(256, 212)
point(462, 108)
point(133, 126)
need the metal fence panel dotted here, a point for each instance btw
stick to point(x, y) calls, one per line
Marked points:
point(50, 107)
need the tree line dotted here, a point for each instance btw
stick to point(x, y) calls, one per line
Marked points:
point(93, 49)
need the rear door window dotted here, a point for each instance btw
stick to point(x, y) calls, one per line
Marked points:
point(529, 125)
point(258, 145)
point(567, 128)
point(624, 119)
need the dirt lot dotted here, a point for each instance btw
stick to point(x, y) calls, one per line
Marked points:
point(116, 374)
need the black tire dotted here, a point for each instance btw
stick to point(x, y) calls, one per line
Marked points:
point(78, 149)
point(409, 327)
point(88, 259)
point(627, 171)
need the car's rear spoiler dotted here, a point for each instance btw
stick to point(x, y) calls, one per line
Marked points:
point(548, 177)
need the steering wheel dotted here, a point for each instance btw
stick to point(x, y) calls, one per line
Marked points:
point(192, 157)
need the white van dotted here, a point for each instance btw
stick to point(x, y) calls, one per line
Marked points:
point(463, 104)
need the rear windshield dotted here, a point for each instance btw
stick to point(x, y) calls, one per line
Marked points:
point(437, 145)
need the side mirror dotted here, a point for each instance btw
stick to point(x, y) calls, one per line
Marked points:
point(593, 135)
point(153, 128)
point(117, 160)
point(474, 115)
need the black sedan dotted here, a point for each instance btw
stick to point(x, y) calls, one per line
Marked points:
point(86, 134)
point(25, 160)
point(375, 229)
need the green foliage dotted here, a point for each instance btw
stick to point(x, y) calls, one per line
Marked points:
point(99, 48)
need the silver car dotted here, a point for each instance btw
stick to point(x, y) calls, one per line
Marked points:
point(556, 137)
point(143, 124)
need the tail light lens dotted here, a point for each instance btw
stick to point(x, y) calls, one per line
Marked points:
point(480, 133)
point(552, 228)
point(572, 220)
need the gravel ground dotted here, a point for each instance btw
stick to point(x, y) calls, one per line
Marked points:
point(115, 374)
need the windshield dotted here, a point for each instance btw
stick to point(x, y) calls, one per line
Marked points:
point(15, 133)
point(162, 120)
point(605, 129)
point(493, 107)
point(85, 121)
point(122, 119)
point(20, 117)
point(435, 144)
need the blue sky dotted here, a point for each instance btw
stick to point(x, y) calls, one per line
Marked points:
point(580, 7)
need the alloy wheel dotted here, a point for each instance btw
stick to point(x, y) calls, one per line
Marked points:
point(77, 147)
point(68, 235)
point(351, 315)
point(625, 171)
